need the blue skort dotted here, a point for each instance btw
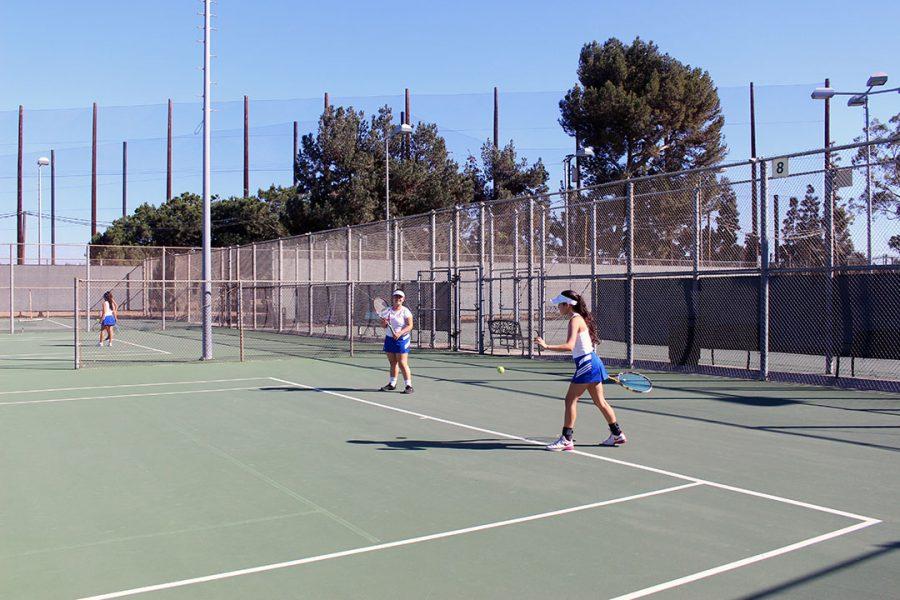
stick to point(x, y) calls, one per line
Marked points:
point(108, 321)
point(589, 369)
point(400, 346)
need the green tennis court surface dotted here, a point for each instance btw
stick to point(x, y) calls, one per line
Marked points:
point(294, 479)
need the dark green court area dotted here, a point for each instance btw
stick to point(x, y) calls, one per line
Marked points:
point(294, 478)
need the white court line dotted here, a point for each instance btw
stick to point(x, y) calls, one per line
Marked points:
point(18, 357)
point(384, 546)
point(121, 341)
point(864, 521)
point(60, 324)
point(138, 395)
point(616, 461)
point(744, 562)
point(131, 385)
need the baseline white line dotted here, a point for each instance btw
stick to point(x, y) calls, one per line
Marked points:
point(744, 561)
point(131, 385)
point(139, 395)
point(60, 324)
point(67, 356)
point(384, 546)
point(121, 341)
point(616, 461)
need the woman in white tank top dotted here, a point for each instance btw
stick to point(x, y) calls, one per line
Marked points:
point(590, 373)
point(108, 318)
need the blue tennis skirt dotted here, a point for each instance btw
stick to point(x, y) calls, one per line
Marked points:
point(108, 321)
point(589, 369)
point(400, 346)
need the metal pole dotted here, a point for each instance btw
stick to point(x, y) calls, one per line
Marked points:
point(164, 288)
point(829, 233)
point(868, 190)
point(349, 259)
point(40, 218)
point(754, 204)
point(542, 315)
point(455, 251)
point(567, 166)
point(325, 260)
point(280, 288)
point(12, 289)
point(515, 263)
point(20, 214)
point(309, 258)
point(207, 224)
point(169, 153)
point(75, 341)
point(764, 272)
point(387, 197)
point(255, 283)
point(491, 258)
point(776, 223)
point(530, 298)
point(94, 173)
point(240, 308)
point(481, 248)
point(294, 157)
point(432, 230)
point(399, 253)
point(695, 251)
point(87, 289)
point(629, 269)
point(52, 208)
point(124, 179)
point(246, 147)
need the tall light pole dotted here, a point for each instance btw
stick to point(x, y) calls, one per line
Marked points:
point(861, 99)
point(41, 162)
point(401, 129)
point(206, 301)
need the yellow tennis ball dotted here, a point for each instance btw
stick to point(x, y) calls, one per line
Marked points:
point(501, 370)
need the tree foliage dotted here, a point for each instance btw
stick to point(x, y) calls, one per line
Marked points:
point(642, 111)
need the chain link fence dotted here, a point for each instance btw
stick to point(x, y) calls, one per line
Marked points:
point(775, 268)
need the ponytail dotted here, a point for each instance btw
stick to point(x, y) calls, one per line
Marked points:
point(581, 309)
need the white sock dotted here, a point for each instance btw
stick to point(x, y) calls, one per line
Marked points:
point(408, 382)
point(392, 381)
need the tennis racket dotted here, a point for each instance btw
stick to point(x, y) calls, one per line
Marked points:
point(383, 309)
point(634, 382)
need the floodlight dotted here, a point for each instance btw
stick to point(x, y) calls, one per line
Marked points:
point(43, 161)
point(822, 93)
point(857, 100)
point(877, 78)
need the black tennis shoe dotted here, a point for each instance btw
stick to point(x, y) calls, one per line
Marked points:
point(389, 388)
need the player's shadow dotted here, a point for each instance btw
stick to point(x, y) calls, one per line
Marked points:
point(402, 443)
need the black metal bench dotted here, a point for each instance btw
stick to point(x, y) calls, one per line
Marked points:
point(507, 333)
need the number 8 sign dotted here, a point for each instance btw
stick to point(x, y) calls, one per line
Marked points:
point(778, 168)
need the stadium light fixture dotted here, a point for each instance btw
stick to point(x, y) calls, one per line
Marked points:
point(822, 93)
point(857, 100)
point(876, 79)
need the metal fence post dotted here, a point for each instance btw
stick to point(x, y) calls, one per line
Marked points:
point(87, 289)
point(395, 250)
point(350, 287)
point(480, 303)
point(629, 282)
point(240, 311)
point(432, 226)
point(164, 288)
point(75, 329)
point(325, 260)
point(309, 289)
point(592, 223)
point(255, 283)
point(764, 271)
point(349, 258)
point(829, 258)
point(515, 263)
point(457, 316)
point(12, 291)
point(530, 295)
point(695, 225)
point(542, 282)
point(190, 287)
point(280, 285)
point(491, 262)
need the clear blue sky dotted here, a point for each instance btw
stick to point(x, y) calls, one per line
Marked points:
point(61, 54)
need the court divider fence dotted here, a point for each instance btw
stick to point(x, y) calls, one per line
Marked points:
point(774, 268)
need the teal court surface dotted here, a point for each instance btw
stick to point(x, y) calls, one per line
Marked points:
point(294, 478)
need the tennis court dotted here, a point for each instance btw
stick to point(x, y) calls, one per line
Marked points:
point(294, 479)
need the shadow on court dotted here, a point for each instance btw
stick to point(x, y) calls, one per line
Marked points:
point(778, 590)
point(402, 443)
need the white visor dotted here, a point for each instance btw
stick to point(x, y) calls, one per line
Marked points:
point(398, 293)
point(563, 300)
